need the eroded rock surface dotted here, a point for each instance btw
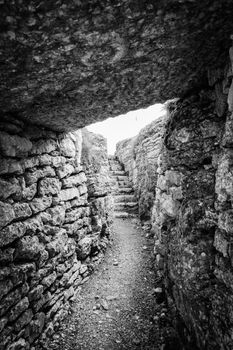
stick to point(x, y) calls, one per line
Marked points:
point(140, 158)
point(52, 234)
point(68, 64)
point(192, 214)
point(95, 163)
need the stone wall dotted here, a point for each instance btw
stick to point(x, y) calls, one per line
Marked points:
point(139, 156)
point(50, 235)
point(95, 164)
point(192, 215)
point(125, 154)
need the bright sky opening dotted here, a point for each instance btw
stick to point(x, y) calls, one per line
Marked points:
point(126, 125)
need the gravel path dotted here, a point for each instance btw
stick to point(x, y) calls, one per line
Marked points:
point(117, 308)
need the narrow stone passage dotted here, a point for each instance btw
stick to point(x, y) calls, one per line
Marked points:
point(125, 202)
point(117, 308)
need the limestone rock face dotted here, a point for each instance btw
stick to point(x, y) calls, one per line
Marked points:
point(67, 64)
point(140, 157)
point(192, 213)
point(95, 163)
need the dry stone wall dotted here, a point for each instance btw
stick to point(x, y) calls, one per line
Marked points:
point(192, 214)
point(50, 235)
point(139, 156)
point(192, 211)
point(95, 163)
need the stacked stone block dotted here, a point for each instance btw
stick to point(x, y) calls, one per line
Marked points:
point(125, 202)
point(192, 214)
point(48, 243)
point(139, 156)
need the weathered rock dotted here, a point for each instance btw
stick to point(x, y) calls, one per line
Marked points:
point(56, 215)
point(44, 146)
point(67, 147)
point(34, 224)
point(31, 162)
point(68, 194)
point(3, 322)
point(106, 53)
point(28, 248)
point(47, 281)
point(84, 247)
point(35, 327)
point(10, 167)
point(12, 298)
point(37, 250)
point(40, 204)
point(23, 320)
point(18, 345)
point(74, 180)
point(5, 287)
point(32, 177)
point(14, 146)
point(73, 215)
point(6, 214)
point(36, 293)
point(18, 309)
point(49, 186)
point(65, 170)
point(6, 256)
point(29, 192)
point(139, 155)
point(8, 188)
point(188, 219)
point(22, 210)
point(59, 244)
point(11, 233)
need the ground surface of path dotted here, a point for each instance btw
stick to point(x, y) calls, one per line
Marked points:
point(116, 308)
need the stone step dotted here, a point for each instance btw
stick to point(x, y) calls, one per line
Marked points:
point(124, 184)
point(122, 177)
point(129, 207)
point(127, 204)
point(125, 198)
point(117, 172)
point(122, 190)
point(124, 215)
point(116, 167)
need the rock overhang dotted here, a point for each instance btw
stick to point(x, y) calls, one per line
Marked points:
point(69, 64)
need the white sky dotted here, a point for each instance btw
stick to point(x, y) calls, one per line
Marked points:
point(126, 125)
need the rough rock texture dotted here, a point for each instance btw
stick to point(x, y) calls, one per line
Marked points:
point(95, 164)
point(125, 202)
point(139, 156)
point(50, 235)
point(192, 215)
point(125, 154)
point(67, 64)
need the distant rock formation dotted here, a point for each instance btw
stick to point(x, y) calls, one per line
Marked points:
point(140, 157)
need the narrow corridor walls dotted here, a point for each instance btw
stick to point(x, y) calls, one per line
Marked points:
point(192, 213)
point(51, 234)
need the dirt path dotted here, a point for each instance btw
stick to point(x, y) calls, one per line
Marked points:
point(117, 307)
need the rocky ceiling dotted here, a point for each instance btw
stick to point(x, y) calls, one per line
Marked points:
point(65, 64)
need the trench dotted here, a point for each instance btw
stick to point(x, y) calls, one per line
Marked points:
point(117, 307)
point(66, 65)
